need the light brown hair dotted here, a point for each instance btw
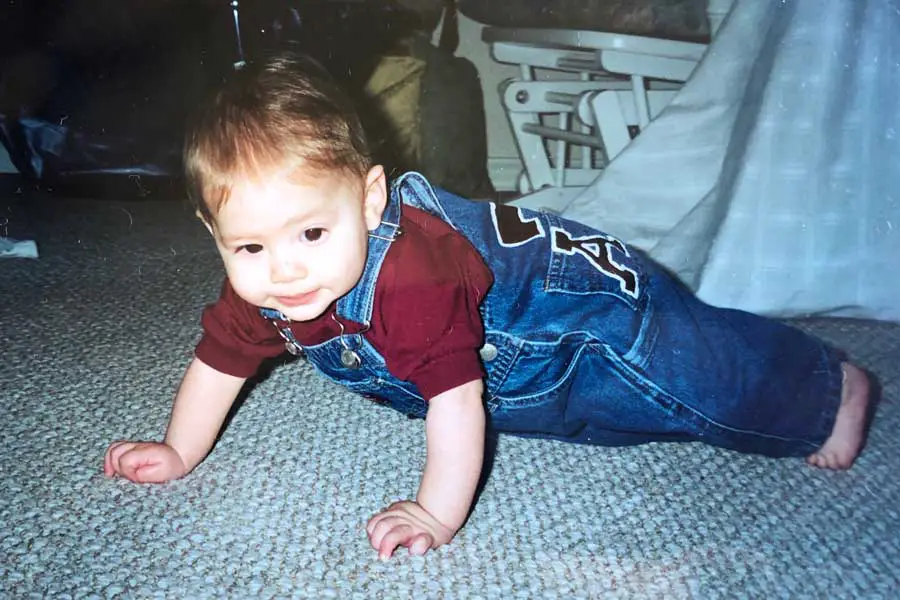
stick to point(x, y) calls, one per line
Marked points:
point(285, 112)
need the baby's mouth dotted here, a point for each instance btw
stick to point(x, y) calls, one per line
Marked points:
point(298, 299)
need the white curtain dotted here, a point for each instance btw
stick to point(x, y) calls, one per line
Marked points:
point(771, 182)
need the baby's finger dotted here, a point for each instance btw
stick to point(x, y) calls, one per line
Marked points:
point(133, 461)
point(397, 536)
point(420, 544)
point(373, 523)
point(146, 472)
point(383, 524)
point(107, 464)
point(114, 453)
point(387, 513)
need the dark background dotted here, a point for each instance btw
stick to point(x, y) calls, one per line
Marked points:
point(94, 93)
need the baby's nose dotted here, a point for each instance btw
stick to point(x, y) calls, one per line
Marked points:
point(285, 269)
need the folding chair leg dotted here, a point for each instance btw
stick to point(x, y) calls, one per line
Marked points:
point(611, 123)
point(531, 150)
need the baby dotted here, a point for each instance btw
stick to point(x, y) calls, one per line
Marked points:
point(473, 315)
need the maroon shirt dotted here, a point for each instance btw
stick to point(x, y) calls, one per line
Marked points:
point(425, 318)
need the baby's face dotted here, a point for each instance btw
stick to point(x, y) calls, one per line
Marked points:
point(298, 244)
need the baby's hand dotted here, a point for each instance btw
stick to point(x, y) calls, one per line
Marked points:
point(406, 524)
point(143, 462)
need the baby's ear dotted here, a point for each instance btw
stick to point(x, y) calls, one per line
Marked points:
point(203, 220)
point(376, 197)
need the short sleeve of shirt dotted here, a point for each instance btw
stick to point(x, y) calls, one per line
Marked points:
point(427, 306)
point(236, 338)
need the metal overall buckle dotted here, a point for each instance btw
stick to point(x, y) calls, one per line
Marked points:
point(349, 357)
point(290, 342)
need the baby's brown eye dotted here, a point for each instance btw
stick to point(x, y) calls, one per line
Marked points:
point(313, 234)
point(251, 248)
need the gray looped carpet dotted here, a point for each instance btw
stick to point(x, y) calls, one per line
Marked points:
point(94, 336)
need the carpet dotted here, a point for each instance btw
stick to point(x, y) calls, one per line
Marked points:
point(95, 335)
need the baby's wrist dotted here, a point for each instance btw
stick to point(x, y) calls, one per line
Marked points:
point(186, 465)
point(445, 532)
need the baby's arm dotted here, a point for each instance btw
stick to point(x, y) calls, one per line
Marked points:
point(454, 429)
point(200, 408)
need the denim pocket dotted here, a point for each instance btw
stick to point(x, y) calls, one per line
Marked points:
point(534, 373)
point(585, 261)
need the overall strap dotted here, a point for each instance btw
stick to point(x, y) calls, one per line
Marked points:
point(357, 305)
point(416, 191)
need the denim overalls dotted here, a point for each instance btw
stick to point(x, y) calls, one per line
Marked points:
point(588, 341)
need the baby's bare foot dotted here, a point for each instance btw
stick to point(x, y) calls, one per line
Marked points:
point(846, 439)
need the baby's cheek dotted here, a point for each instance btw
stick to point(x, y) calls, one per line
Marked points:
point(249, 284)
